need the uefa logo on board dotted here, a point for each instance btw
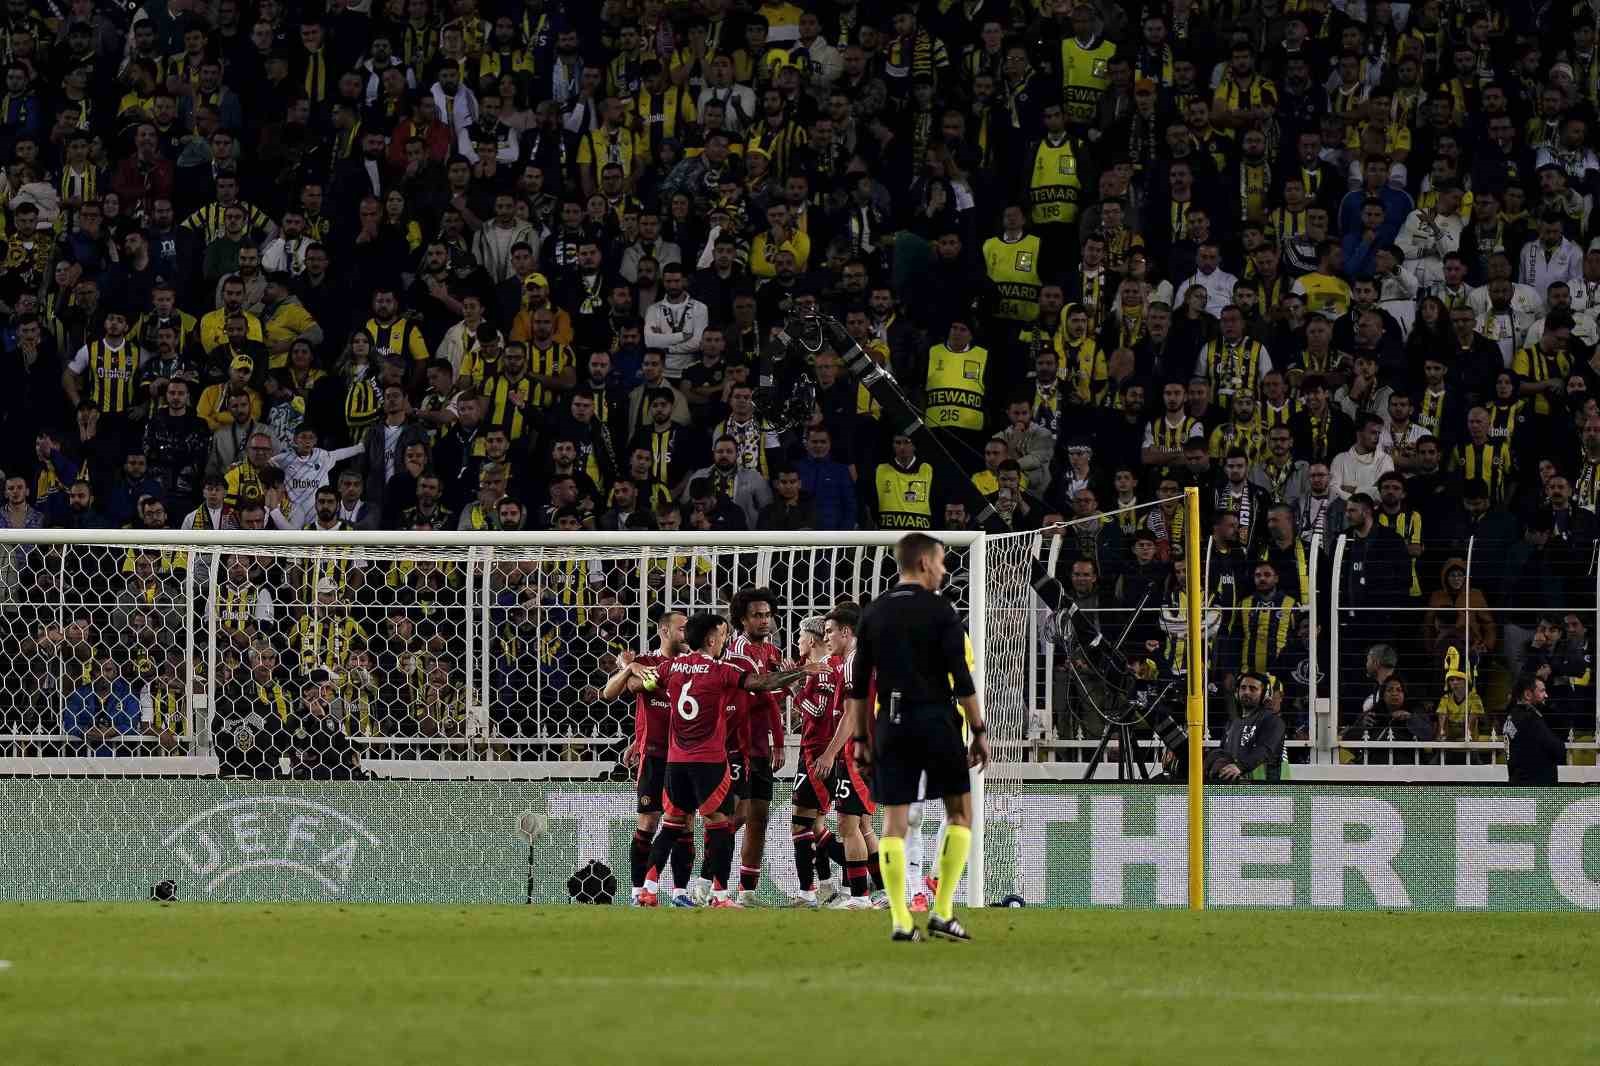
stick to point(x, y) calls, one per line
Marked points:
point(293, 837)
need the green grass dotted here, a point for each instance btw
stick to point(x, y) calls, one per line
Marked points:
point(307, 984)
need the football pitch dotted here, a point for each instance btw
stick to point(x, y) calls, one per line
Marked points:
point(306, 984)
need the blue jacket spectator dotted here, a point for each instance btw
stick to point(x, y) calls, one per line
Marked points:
point(828, 482)
point(21, 111)
point(1397, 203)
point(102, 709)
point(1361, 255)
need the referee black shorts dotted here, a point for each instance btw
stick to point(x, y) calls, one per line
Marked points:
point(925, 738)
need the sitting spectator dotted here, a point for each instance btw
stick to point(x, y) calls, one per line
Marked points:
point(710, 510)
point(319, 747)
point(249, 727)
point(1253, 747)
point(1458, 617)
point(790, 508)
point(727, 480)
point(1460, 715)
point(100, 710)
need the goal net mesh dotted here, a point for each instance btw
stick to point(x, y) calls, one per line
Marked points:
point(153, 718)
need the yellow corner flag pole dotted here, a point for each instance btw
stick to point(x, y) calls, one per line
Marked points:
point(1194, 607)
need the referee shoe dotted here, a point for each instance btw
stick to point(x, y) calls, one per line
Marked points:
point(912, 935)
point(948, 929)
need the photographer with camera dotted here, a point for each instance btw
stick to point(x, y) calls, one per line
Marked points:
point(1254, 739)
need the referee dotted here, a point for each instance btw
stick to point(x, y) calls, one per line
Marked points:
point(911, 650)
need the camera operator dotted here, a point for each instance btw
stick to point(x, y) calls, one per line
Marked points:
point(1255, 739)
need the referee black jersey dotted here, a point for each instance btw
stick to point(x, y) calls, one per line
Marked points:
point(915, 642)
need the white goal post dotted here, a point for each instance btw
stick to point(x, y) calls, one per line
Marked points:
point(176, 606)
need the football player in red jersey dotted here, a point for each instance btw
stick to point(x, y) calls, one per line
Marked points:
point(700, 684)
point(852, 792)
point(648, 753)
point(813, 788)
point(757, 751)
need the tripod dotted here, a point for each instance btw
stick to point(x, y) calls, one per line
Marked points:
point(1127, 753)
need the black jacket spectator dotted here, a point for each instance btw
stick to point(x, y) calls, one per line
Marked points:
point(412, 431)
point(1536, 752)
point(1377, 570)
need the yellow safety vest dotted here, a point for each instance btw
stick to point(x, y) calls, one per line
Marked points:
point(1013, 266)
point(1054, 187)
point(1084, 77)
point(905, 499)
point(955, 387)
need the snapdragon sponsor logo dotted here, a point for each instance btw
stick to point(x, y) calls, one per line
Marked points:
point(297, 836)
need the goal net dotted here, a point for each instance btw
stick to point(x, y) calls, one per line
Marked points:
point(1062, 608)
point(372, 717)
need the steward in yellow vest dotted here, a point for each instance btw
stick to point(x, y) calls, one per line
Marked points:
point(1054, 180)
point(905, 489)
point(1012, 263)
point(1085, 63)
point(957, 371)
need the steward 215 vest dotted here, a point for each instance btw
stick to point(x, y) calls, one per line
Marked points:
point(955, 387)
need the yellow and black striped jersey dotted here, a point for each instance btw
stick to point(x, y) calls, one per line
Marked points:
point(110, 373)
point(510, 403)
point(401, 337)
point(664, 116)
point(207, 220)
point(550, 361)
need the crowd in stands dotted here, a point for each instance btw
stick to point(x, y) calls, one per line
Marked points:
point(490, 264)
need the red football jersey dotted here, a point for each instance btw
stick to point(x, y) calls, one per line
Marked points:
point(754, 717)
point(819, 709)
point(698, 688)
point(651, 709)
point(847, 671)
point(842, 693)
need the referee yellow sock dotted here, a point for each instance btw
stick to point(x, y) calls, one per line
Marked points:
point(952, 860)
point(892, 860)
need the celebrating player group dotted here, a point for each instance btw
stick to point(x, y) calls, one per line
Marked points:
point(709, 739)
